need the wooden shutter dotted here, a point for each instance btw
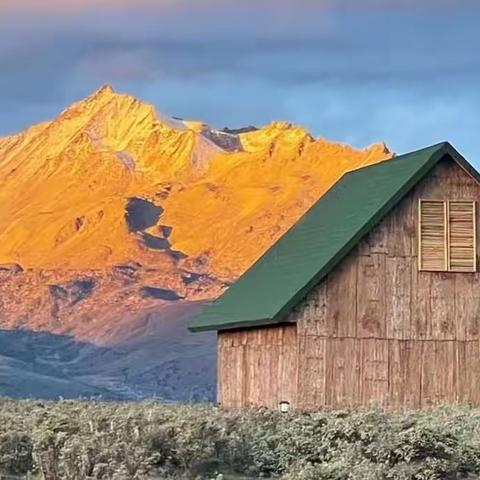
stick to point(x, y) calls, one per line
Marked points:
point(461, 236)
point(432, 251)
point(447, 236)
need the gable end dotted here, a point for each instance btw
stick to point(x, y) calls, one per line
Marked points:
point(283, 276)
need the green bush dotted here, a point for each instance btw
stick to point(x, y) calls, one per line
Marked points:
point(74, 440)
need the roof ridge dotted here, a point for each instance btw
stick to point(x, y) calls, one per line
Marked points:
point(437, 146)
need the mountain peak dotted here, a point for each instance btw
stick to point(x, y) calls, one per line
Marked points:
point(83, 166)
point(113, 217)
point(102, 95)
point(105, 89)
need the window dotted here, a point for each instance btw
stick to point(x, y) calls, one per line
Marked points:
point(447, 236)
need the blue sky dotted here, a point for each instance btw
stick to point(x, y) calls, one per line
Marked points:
point(403, 72)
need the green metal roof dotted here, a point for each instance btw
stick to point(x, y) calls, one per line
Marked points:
point(307, 252)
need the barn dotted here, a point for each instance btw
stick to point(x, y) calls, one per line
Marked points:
point(372, 297)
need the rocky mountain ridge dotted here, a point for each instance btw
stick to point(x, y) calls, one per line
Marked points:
point(116, 220)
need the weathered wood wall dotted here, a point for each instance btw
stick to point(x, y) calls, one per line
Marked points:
point(257, 366)
point(377, 330)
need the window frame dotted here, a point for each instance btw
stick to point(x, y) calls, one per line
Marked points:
point(446, 209)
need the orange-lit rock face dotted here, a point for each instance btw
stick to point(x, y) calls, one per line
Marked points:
point(111, 181)
point(114, 221)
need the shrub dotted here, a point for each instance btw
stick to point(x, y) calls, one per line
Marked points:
point(94, 440)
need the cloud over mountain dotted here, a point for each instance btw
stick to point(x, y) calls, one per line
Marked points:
point(350, 70)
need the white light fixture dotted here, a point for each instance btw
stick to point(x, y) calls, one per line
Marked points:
point(284, 406)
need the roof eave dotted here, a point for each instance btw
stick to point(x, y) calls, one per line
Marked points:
point(236, 325)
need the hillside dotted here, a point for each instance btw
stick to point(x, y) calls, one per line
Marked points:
point(117, 222)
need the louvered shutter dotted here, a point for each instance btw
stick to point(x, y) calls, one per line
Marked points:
point(462, 236)
point(432, 252)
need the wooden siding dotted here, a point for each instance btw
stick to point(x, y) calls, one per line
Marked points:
point(376, 330)
point(257, 366)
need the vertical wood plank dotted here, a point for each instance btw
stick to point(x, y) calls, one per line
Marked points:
point(342, 299)
point(467, 306)
point(461, 372)
point(318, 322)
point(438, 372)
point(398, 285)
point(343, 372)
point(475, 236)
point(471, 369)
point(412, 352)
point(262, 375)
point(288, 366)
point(446, 215)
point(221, 364)
point(401, 226)
point(446, 379)
point(419, 236)
point(232, 377)
point(371, 296)
point(441, 310)
point(405, 371)
point(421, 321)
point(312, 373)
point(396, 381)
point(375, 371)
point(428, 362)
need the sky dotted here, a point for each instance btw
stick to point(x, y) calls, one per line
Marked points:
point(356, 71)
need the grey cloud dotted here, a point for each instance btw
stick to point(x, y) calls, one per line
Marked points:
point(351, 53)
point(348, 73)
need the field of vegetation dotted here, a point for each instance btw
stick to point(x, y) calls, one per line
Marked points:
point(94, 440)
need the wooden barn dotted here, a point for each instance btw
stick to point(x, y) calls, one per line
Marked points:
point(373, 296)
